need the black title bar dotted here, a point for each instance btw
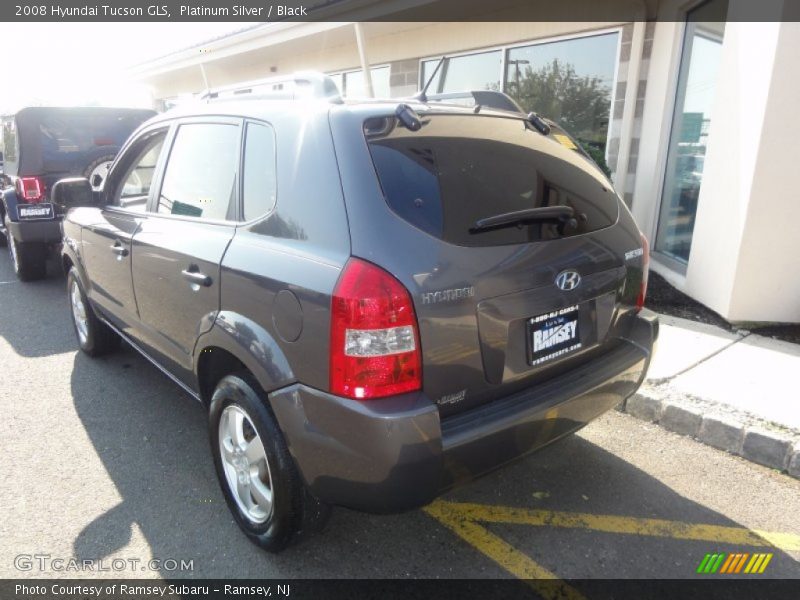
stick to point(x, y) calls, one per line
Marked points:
point(260, 11)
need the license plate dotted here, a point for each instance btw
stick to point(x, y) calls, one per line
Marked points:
point(553, 334)
point(30, 212)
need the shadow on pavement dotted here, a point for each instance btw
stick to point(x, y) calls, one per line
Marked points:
point(152, 440)
point(33, 314)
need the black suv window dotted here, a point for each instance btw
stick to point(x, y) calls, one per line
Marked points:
point(61, 141)
point(259, 185)
point(201, 172)
point(457, 170)
point(134, 187)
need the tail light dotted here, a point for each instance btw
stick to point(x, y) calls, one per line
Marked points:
point(30, 189)
point(645, 270)
point(375, 348)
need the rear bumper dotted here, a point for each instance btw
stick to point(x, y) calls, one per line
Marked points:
point(35, 231)
point(396, 454)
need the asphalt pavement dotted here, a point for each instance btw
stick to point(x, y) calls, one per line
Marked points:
point(107, 459)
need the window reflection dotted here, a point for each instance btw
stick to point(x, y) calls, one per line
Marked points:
point(689, 136)
point(571, 82)
point(201, 170)
point(352, 83)
point(481, 71)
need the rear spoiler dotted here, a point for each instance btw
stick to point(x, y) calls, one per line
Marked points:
point(487, 98)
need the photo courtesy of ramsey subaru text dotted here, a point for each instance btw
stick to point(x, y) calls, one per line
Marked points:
point(375, 300)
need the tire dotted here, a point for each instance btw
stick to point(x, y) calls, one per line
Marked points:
point(292, 510)
point(3, 236)
point(28, 258)
point(95, 164)
point(95, 338)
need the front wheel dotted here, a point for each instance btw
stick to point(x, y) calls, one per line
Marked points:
point(258, 478)
point(95, 338)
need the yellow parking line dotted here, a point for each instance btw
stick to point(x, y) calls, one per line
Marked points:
point(504, 554)
point(739, 536)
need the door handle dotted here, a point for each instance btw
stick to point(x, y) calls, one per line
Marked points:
point(119, 250)
point(193, 275)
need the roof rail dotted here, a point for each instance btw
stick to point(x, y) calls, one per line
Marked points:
point(487, 98)
point(296, 86)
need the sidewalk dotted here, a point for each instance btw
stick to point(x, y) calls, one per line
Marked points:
point(739, 392)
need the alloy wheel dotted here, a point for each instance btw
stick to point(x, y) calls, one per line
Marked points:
point(245, 463)
point(79, 313)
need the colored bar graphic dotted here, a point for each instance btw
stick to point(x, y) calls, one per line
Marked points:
point(767, 558)
point(727, 564)
point(755, 562)
point(718, 562)
point(734, 563)
point(703, 563)
point(741, 562)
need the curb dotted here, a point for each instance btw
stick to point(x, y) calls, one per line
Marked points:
point(735, 432)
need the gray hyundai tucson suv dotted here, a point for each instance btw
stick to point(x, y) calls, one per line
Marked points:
point(375, 300)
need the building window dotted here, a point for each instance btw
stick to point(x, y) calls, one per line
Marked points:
point(570, 81)
point(697, 79)
point(352, 84)
point(480, 71)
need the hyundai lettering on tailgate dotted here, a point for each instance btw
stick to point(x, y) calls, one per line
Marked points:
point(553, 334)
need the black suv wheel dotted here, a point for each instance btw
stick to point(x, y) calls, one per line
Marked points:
point(28, 258)
point(257, 475)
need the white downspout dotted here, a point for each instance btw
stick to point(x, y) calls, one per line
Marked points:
point(362, 53)
point(629, 110)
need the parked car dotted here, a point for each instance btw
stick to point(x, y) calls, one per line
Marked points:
point(43, 145)
point(375, 301)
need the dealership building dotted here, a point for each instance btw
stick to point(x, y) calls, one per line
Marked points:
point(690, 109)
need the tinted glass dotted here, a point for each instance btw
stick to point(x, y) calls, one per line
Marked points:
point(259, 185)
point(134, 190)
point(65, 140)
point(459, 169)
point(201, 171)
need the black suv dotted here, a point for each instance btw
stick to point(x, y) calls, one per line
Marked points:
point(375, 301)
point(43, 145)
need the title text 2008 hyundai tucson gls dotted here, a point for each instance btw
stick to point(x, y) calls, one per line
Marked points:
point(376, 301)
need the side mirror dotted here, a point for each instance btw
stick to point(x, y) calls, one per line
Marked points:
point(73, 192)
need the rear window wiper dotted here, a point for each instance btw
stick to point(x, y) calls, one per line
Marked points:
point(561, 214)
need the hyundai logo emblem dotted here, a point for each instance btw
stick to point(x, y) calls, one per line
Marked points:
point(568, 280)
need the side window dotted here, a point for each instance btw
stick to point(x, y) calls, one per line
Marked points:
point(201, 172)
point(259, 182)
point(134, 189)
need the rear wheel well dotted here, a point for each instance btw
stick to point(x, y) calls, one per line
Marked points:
point(214, 364)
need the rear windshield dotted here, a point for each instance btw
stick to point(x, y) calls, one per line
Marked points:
point(459, 169)
point(56, 140)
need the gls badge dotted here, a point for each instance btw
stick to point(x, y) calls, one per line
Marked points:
point(568, 280)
